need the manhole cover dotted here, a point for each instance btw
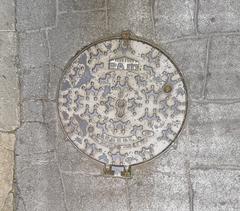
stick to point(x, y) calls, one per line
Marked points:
point(122, 101)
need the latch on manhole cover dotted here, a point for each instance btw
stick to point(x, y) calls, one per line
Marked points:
point(122, 101)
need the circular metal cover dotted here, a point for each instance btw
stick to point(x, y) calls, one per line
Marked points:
point(122, 102)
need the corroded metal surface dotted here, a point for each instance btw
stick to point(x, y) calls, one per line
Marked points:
point(122, 102)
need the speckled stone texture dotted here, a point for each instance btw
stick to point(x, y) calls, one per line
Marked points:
point(200, 172)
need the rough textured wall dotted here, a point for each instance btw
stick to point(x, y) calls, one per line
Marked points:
point(200, 172)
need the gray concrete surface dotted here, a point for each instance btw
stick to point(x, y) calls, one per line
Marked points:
point(200, 172)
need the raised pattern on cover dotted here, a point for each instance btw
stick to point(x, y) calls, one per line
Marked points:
point(122, 102)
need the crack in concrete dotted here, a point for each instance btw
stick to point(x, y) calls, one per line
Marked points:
point(216, 101)
point(84, 173)
point(129, 202)
point(59, 169)
point(50, 59)
point(106, 14)
point(206, 68)
point(19, 197)
point(205, 167)
point(190, 188)
point(9, 131)
point(152, 18)
point(5, 200)
point(200, 36)
point(88, 10)
point(5, 148)
point(196, 11)
point(39, 99)
point(57, 13)
point(63, 186)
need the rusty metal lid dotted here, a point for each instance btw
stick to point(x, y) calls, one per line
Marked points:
point(122, 101)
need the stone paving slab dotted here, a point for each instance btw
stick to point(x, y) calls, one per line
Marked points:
point(37, 76)
point(65, 5)
point(219, 16)
point(216, 190)
point(201, 113)
point(32, 140)
point(213, 134)
point(73, 32)
point(215, 143)
point(33, 49)
point(95, 193)
point(224, 64)
point(39, 184)
point(7, 15)
point(9, 93)
point(134, 15)
point(158, 191)
point(173, 18)
point(7, 142)
point(38, 177)
point(35, 14)
point(32, 111)
point(190, 57)
point(54, 81)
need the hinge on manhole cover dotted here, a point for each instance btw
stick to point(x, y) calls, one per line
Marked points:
point(117, 171)
point(126, 36)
